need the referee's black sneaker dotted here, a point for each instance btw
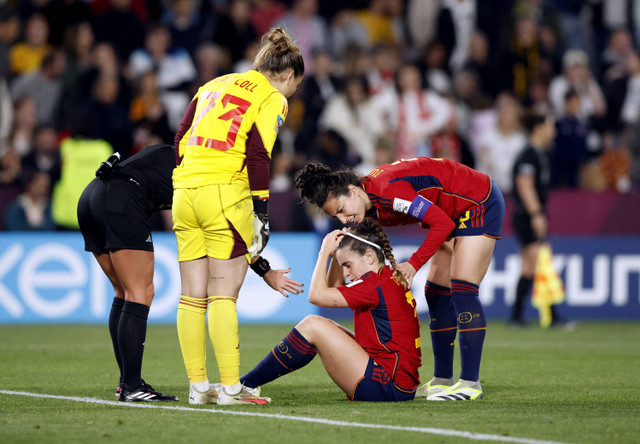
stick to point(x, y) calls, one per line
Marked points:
point(144, 393)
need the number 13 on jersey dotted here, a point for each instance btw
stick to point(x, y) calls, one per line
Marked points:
point(235, 114)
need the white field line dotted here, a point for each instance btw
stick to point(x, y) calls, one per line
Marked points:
point(427, 430)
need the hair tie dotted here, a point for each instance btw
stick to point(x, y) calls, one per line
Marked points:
point(363, 240)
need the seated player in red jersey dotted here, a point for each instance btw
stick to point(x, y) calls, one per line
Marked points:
point(463, 210)
point(380, 361)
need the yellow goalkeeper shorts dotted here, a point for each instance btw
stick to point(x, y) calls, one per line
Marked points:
point(213, 220)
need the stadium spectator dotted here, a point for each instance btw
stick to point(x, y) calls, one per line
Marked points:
point(531, 175)
point(421, 21)
point(235, 31)
point(187, 27)
point(45, 154)
point(346, 31)
point(104, 63)
point(31, 211)
point(79, 43)
point(577, 76)
point(25, 121)
point(218, 237)
point(436, 73)
point(456, 23)
point(355, 118)
point(173, 68)
point(569, 151)
point(62, 15)
point(148, 114)
point(210, 62)
point(500, 144)
point(413, 113)
point(519, 59)
point(265, 13)
point(377, 23)
point(9, 186)
point(479, 63)
point(466, 205)
point(106, 116)
point(318, 88)
point(307, 27)
point(121, 27)
point(363, 367)
point(619, 47)
point(27, 56)
point(9, 31)
point(382, 70)
point(449, 144)
point(44, 86)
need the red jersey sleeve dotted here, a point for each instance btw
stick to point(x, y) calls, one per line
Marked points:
point(361, 293)
point(400, 196)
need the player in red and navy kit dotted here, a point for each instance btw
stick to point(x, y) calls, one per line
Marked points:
point(463, 210)
point(380, 361)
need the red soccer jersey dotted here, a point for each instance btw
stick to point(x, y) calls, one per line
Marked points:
point(386, 325)
point(433, 192)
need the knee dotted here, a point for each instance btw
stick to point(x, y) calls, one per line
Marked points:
point(310, 325)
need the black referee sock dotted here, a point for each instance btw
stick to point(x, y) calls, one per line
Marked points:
point(114, 321)
point(522, 290)
point(132, 332)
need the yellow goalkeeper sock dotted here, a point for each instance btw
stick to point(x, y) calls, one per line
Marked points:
point(223, 331)
point(192, 334)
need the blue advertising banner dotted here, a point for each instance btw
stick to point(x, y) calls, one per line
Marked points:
point(49, 278)
point(601, 276)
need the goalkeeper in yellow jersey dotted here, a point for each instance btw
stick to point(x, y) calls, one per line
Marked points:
point(220, 202)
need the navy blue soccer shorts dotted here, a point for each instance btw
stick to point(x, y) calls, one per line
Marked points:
point(484, 219)
point(377, 385)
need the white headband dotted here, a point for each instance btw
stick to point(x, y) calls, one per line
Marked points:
point(363, 240)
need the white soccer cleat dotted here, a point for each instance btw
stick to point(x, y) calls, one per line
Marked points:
point(197, 397)
point(433, 387)
point(461, 391)
point(245, 396)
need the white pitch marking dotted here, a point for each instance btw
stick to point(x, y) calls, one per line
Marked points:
point(428, 430)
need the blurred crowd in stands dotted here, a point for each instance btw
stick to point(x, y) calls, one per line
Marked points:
point(385, 79)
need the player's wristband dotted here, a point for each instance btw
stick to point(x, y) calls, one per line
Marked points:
point(261, 266)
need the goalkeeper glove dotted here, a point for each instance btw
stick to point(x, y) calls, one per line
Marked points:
point(260, 227)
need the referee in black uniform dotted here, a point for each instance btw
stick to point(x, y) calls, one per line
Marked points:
point(531, 176)
point(114, 212)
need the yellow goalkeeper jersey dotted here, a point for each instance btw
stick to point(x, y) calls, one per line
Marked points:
point(228, 133)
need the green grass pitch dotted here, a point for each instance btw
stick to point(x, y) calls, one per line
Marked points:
point(540, 386)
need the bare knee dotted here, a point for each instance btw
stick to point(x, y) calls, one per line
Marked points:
point(142, 295)
point(310, 326)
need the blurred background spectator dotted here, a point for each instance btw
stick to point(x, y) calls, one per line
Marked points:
point(385, 79)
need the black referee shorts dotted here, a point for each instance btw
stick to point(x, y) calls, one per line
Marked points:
point(524, 230)
point(113, 215)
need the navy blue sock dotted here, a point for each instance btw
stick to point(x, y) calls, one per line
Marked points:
point(443, 326)
point(114, 321)
point(132, 332)
point(472, 326)
point(292, 353)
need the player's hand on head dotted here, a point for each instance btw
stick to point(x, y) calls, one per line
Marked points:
point(332, 240)
point(407, 271)
point(277, 280)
